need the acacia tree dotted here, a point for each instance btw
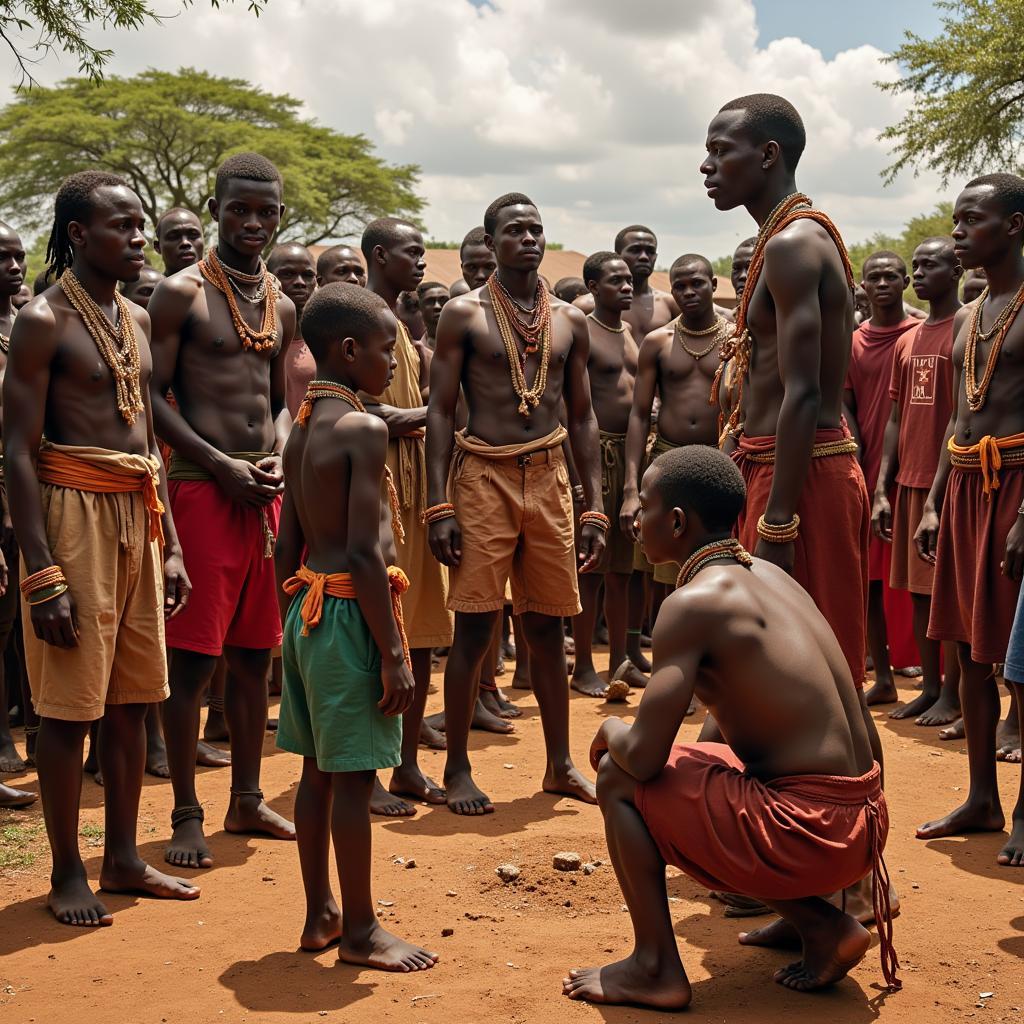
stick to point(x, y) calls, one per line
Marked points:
point(965, 90)
point(165, 133)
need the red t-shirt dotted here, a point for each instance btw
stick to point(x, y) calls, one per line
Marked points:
point(868, 378)
point(299, 370)
point(922, 382)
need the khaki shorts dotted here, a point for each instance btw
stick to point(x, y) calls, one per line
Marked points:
point(115, 577)
point(516, 516)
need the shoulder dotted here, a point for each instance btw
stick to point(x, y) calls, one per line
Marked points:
point(40, 320)
point(572, 313)
point(584, 302)
point(363, 426)
point(178, 291)
point(654, 341)
point(140, 316)
point(463, 307)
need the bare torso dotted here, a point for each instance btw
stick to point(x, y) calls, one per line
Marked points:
point(651, 309)
point(612, 370)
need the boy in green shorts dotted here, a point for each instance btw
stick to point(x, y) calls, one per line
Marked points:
point(346, 673)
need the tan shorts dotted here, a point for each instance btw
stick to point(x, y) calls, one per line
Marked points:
point(115, 577)
point(909, 571)
point(516, 521)
point(618, 552)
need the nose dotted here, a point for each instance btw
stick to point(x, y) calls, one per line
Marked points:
point(706, 167)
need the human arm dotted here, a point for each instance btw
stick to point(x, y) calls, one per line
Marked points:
point(278, 391)
point(366, 559)
point(400, 422)
point(637, 432)
point(33, 348)
point(585, 439)
point(287, 549)
point(881, 511)
point(445, 380)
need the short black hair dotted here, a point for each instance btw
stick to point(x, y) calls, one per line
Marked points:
point(128, 287)
point(324, 259)
point(620, 238)
point(691, 257)
point(883, 254)
point(73, 202)
point(424, 286)
point(594, 266)
point(1008, 188)
point(339, 310)
point(569, 288)
point(245, 167)
point(499, 204)
point(385, 232)
point(747, 243)
point(279, 252)
point(171, 212)
point(771, 118)
point(475, 236)
point(703, 480)
point(945, 241)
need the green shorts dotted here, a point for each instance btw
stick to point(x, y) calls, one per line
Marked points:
point(331, 688)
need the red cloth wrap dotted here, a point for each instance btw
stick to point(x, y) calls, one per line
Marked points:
point(831, 559)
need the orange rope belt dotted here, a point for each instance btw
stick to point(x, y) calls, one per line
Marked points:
point(989, 455)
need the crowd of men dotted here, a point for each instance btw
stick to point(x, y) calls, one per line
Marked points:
point(321, 476)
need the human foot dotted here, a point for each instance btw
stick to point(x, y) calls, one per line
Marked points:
point(660, 986)
point(498, 704)
point(913, 708)
point(411, 782)
point(11, 761)
point(387, 805)
point(463, 796)
point(431, 738)
point(216, 728)
point(156, 758)
point(139, 877)
point(883, 692)
point(630, 674)
point(780, 934)
point(385, 952)
point(485, 721)
point(1008, 741)
point(521, 676)
point(570, 782)
point(72, 902)
point(829, 955)
point(942, 712)
point(321, 929)
point(954, 732)
point(909, 672)
point(639, 659)
point(12, 799)
point(187, 848)
point(208, 756)
point(249, 815)
point(966, 818)
point(1012, 854)
point(588, 682)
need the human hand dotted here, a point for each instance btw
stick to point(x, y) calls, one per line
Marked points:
point(446, 541)
point(247, 484)
point(177, 587)
point(593, 541)
point(399, 688)
point(926, 537)
point(881, 518)
point(55, 622)
point(628, 513)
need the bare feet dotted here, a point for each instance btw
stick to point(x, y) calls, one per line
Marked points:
point(463, 796)
point(498, 704)
point(1008, 741)
point(249, 815)
point(570, 782)
point(521, 676)
point(209, 756)
point(385, 952)
point(386, 805)
point(780, 934)
point(630, 674)
point(641, 660)
point(156, 758)
point(187, 848)
point(483, 720)
point(882, 693)
point(966, 818)
point(140, 877)
point(829, 955)
point(432, 738)
point(942, 712)
point(322, 929)
point(589, 683)
point(73, 902)
point(660, 986)
point(914, 708)
point(415, 785)
point(216, 728)
point(909, 672)
point(954, 732)
point(12, 799)
point(1012, 854)
point(10, 760)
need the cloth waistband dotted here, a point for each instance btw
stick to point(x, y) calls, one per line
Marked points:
point(662, 444)
point(842, 790)
point(988, 457)
point(102, 471)
point(340, 584)
point(530, 453)
point(835, 441)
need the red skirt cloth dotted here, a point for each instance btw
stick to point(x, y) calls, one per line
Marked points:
point(832, 549)
point(972, 601)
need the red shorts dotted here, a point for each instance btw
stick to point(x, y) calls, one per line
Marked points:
point(234, 591)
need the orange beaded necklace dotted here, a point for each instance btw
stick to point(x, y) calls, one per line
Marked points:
point(259, 341)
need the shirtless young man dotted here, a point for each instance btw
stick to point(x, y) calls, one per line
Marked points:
point(292, 265)
point(340, 263)
point(921, 400)
point(789, 807)
point(477, 263)
point(179, 240)
point(651, 307)
point(677, 366)
point(973, 520)
point(220, 332)
point(347, 678)
point(611, 368)
point(393, 250)
point(88, 505)
point(432, 295)
point(141, 290)
point(511, 511)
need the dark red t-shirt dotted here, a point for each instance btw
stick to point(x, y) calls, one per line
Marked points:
point(922, 382)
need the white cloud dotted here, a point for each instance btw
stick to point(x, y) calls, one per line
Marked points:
point(595, 108)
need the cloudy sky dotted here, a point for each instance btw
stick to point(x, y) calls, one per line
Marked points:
point(595, 108)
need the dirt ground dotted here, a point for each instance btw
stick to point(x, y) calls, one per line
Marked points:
point(232, 956)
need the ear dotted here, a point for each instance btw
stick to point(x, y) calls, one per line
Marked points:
point(76, 232)
point(679, 523)
point(348, 349)
point(214, 207)
point(592, 287)
point(714, 284)
point(958, 271)
point(1016, 223)
point(770, 155)
point(155, 242)
point(380, 255)
point(489, 242)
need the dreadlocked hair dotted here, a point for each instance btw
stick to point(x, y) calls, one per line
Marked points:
point(73, 202)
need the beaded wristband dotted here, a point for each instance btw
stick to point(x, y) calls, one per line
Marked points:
point(436, 513)
point(47, 577)
point(598, 519)
point(45, 594)
point(779, 533)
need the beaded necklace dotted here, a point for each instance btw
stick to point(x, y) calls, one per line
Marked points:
point(5, 339)
point(703, 556)
point(717, 328)
point(977, 393)
point(118, 345)
point(535, 336)
point(220, 276)
point(614, 330)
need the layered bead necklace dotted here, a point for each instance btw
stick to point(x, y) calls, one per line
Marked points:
point(534, 328)
point(977, 393)
point(226, 280)
point(717, 329)
point(5, 339)
point(708, 553)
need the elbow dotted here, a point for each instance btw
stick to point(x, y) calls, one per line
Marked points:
point(363, 555)
point(804, 398)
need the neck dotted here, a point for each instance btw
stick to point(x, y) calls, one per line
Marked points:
point(699, 322)
point(1005, 276)
point(100, 287)
point(235, 260)
point(608, 317)
point(520, 284)
point(336, 377)
point(770, 197)
point(6, 307)
point(642, 286)
point(377, 283)
point(703, 541)
point(944, 306)
point(887, 316)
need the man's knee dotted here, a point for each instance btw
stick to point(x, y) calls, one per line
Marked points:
point(541, 630)
point(474, 631)
point(613, 783)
